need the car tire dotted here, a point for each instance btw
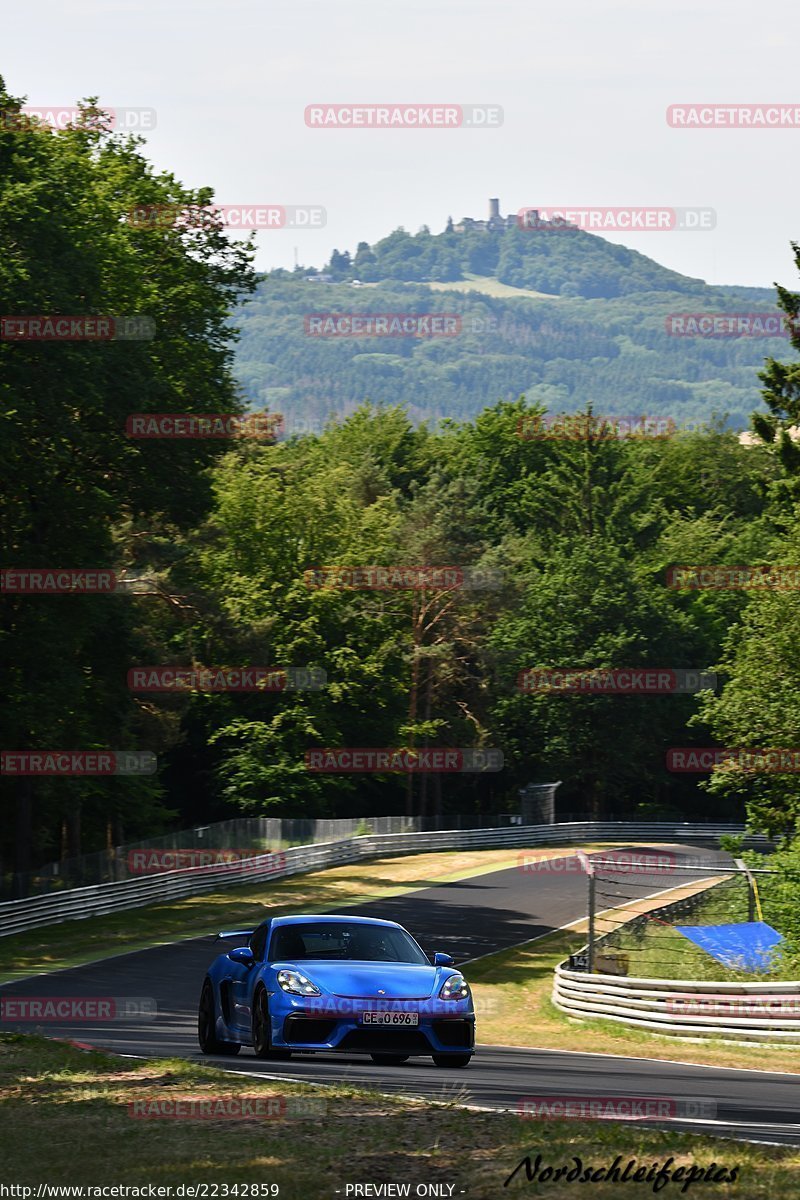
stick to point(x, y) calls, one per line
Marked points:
point(389, 1060)
point(262, 1037)
point(206, 1026)
point(452, 1060)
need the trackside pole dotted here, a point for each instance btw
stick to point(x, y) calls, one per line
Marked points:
point(751, 889)
point(588, 867)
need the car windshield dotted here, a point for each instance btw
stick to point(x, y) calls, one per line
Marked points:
point(345, 940)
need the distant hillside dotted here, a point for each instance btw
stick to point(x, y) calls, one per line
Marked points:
point(563, 317)
point(559, 262)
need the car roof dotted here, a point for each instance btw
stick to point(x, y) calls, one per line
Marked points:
point(313, 917)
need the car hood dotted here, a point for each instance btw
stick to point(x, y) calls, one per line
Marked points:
point(396, 981)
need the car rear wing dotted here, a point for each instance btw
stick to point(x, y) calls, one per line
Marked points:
point(235, 933)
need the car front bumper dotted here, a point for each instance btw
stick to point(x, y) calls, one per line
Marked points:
point(443, 1026)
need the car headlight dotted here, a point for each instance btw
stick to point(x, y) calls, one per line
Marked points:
point(296, 983)
point(455, 987)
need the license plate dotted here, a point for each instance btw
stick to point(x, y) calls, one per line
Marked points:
point(390, 1018)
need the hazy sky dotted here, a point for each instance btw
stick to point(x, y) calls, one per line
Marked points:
point(584, 87)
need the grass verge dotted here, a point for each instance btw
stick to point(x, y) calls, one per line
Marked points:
point(66, 1119)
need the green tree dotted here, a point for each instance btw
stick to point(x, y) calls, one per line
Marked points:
point(73, 478)
point(759, 706)
point(281, 512)
point(780, 427)
point(587, 607)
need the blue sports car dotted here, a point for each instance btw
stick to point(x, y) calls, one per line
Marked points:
point(353, 984)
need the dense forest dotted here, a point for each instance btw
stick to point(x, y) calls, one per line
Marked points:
point(219, 541)
point(564, 317)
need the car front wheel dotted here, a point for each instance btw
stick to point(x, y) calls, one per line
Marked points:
point(262, 1039)
point(207, 1023)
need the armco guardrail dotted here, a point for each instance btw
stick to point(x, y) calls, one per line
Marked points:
point(255, 835)
point(684, 1008)
point(16, 916)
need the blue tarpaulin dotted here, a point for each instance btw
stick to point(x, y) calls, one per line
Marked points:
point(749, 946)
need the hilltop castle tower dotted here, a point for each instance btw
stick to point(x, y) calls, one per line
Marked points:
point(495, 223)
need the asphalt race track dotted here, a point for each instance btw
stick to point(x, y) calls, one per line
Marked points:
point(468, 918)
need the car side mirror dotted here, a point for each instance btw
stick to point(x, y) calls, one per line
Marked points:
point(442, 960)
point(243, 955)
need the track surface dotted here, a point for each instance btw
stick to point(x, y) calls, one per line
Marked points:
point(468, 918)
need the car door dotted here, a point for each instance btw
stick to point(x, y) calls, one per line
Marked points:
point(242, 980)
